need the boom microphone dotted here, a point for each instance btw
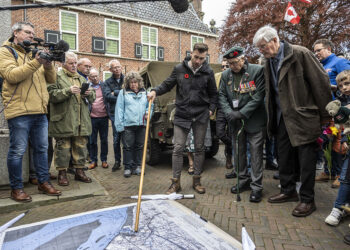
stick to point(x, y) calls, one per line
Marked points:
point(179, 6)
point(62, 45)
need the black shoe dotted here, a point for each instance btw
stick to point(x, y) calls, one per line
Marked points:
point(347, 239)
point(231, 175)
point(271, 166)
point(276, 175)
point(242, 188)
point(116, 166)
point(255, 196)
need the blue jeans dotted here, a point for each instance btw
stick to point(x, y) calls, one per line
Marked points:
point(133, 141)
point(99, 125)
point(270, 149)
point(343, 196)
point(116, 142)
point(21, 128)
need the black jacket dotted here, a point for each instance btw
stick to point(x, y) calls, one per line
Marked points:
point(109, 86)
point(196, 94)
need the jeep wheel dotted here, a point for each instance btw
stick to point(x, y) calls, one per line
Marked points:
point(213, 149)
point(153, 152)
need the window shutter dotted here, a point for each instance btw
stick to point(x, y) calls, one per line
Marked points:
point(51, 36)
point(98, 44)
point(208, 58)
point(68, 21)
point(160, 54)
point(138, 50)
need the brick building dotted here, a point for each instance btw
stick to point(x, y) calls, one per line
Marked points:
point(134, 33)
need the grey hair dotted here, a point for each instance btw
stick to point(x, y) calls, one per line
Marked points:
point(70, 54)
point(81, 60)
point(267, 33)
point(130, 76)
point(19, 26)
point(112, 61)
point(94, 69)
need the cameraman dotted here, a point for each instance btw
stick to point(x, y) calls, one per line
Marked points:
point(25, 99)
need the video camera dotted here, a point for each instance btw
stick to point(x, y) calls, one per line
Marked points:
point(56, 50)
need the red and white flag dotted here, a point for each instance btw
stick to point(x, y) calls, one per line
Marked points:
point(306, 1)
point(291, 15)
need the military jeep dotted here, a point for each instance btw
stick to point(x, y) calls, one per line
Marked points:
point(161, 125)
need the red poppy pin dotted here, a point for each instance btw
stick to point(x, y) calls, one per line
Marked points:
point(186, 76)
point(235, 53)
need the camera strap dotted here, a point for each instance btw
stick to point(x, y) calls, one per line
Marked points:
point(13, 52)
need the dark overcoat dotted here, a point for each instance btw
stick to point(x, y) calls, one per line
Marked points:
point(304, 91)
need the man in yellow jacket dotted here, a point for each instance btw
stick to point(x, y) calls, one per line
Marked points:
point(25, 100)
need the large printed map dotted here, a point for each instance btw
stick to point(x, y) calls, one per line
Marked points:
point(163, 225)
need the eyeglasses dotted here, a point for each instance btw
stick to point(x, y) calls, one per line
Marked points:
point(224, 66)
point(318, 50)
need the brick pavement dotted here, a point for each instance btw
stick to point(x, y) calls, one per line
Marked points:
point(270, 226)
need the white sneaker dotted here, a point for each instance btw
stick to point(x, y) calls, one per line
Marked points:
point(334, 217)
point(320, 165)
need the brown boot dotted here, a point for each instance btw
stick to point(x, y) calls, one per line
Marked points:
point(336, 183)
point(20, 196)
point(229, 164)
point(80, 176)
point(62, 178)
point(47, 188)
point(197, 184)
point(175, 186)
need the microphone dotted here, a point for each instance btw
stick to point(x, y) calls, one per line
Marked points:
point(62, 45)
point(179, 6)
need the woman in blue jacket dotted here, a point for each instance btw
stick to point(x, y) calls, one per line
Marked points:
point(130, 119)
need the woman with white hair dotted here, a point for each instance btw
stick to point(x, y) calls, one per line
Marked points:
point(130, 119)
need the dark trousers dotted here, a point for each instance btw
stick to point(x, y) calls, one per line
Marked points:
point(116, 142)
point(222, 131)
point(291, 160)
point(133, 140)
point(99, 126)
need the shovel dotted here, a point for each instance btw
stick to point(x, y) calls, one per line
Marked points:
point(143, 167)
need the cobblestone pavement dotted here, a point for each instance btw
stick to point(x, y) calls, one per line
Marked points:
point(270, 226)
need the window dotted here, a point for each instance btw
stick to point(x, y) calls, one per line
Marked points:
point(149, 43)
point(106, 75)
point(196, 39)
point(69, 28)
point(112, 33)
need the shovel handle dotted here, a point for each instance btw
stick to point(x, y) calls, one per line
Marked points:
point(143, 167)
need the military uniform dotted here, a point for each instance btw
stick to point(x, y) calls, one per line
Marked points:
point(243, 93)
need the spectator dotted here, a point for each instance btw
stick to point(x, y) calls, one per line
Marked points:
point(297, 91)
point(70, 122)
point(241, 98)
point(111, 88)
point(25, 99)
point(196, 100)
point(130, 119)
point(343, 197)
point(333, 66)
point(99, 121)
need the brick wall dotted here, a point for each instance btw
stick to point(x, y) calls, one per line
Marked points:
point(93, 25)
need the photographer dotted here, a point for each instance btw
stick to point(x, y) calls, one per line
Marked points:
point(70, 121)
point(25, 99)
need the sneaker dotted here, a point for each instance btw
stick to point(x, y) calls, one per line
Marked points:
point(127, 173)
point(320, 165)
point(137, 171)
point(334, 217)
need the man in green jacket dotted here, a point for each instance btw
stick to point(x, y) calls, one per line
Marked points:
point(70, 121)
point(241, 98)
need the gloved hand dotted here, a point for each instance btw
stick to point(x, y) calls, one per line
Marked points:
point(234, 115)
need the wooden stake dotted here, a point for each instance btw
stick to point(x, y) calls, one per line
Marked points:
point(143, 167)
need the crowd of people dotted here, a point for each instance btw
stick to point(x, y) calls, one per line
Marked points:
point(280, 102)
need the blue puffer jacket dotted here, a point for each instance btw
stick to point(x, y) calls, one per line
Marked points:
point(333, 65)
point(131, 109)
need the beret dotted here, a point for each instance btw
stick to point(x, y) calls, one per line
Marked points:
point(234, 52)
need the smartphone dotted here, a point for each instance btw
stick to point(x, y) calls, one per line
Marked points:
point(84, 87)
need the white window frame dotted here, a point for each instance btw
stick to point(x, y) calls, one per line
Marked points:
point(192, 44)
point(149, 44)
point(70, 32)
point(115, 39)
point(104, 74)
